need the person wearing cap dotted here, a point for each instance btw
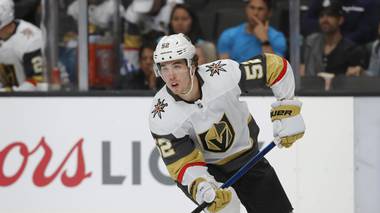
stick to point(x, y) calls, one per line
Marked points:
point(360, 18)
point(329, 51)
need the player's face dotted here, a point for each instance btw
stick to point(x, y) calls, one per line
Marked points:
point(176, 76)
point(181, 21)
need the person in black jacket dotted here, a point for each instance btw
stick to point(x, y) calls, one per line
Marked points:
point(360, 18)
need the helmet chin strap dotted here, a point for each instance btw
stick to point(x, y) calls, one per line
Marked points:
point(192, 82)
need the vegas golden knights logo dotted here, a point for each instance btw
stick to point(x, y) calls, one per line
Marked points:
point(8, 75)
point(219, 137)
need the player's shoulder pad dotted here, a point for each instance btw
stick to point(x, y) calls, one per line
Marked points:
point(29, 36)
point(224, 71)
point(166, 115)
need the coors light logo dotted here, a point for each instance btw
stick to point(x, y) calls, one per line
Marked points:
point(39, 175)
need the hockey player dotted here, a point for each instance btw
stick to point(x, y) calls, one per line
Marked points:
point(205, 134)
point(21, 64)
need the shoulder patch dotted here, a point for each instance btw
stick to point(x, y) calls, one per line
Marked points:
point(159, 108)
point(216, 68)
point(28, 33)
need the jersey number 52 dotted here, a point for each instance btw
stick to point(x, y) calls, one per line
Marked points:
point(165, 146)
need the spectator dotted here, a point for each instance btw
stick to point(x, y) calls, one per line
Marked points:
point(143, 16)
point(99, 15)
point(21, 64)
point(184, 20)
point(254, 37)
point(374, 59)
point(328, 51)
point(360, 19)
point(144, 78)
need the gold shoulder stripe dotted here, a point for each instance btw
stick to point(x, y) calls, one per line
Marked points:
point(175, 168)
point(276, 68)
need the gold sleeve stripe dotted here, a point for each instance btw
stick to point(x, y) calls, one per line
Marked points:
point(276, 68)
point(178, 168)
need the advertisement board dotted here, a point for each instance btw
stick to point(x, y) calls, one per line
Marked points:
point(96, 154)
point(367, 158)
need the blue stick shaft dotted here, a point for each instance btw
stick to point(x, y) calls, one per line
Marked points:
point(247, 166)
point(244, 169)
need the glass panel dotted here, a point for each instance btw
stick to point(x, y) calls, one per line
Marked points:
point(104, 43)
point(116, 36)
point(337, 49)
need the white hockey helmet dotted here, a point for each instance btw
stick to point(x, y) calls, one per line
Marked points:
point(173, 47)
point(6, 12)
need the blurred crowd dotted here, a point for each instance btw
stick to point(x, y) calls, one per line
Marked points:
point(338, 38)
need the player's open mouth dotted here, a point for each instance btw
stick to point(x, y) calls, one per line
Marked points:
point(174, 84)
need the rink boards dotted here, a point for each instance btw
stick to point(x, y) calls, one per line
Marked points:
point(96, 154)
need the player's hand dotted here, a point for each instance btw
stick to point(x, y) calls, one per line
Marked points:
point(354, 71)
point(261, 29)
point(288, 123)
point(222, 199)
point(208, 191)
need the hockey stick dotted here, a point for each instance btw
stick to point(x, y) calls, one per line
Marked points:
point(244, 169)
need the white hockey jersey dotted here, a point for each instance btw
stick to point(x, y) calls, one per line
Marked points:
point(20, 57)
point(218, 128)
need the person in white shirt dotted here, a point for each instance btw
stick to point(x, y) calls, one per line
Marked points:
point(150, 14)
